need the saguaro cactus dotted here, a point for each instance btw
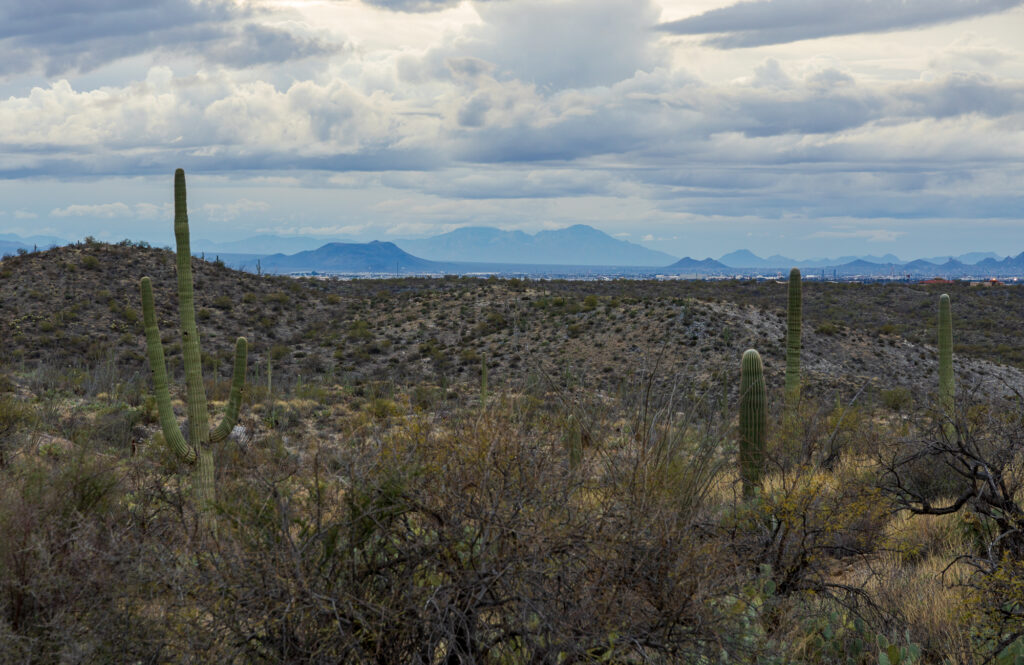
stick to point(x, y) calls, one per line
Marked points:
point(946, 384)
point(573, 440)
point(793, 337)
point(753, 421)
point(483, 379)
point(197, 449)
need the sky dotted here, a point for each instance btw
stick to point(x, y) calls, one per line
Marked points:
point(801, 127)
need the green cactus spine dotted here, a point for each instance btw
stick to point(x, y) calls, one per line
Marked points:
point(946, 383)
point(483, 379)
point(753, 421)
point(197, 449)
point(793, 337)
point(573, 443)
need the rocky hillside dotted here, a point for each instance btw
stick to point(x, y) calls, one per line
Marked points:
point(78, 307)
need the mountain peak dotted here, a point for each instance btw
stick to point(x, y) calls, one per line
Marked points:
point(578, 245)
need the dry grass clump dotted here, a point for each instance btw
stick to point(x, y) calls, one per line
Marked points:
point(926, 597)
point(915, 538)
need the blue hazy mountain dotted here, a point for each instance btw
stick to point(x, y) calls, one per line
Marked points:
point(576, 245)
point(697, 266)
point(387, 258)
point(746, 259)
point(971, 258)
point(11, 247)
point(11, 242)
point(743, 258)
point(340, 257)
point(1009, 265)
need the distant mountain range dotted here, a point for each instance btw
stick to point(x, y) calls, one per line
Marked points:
point(576, 245)
point(387, 258)
point(744, 258)
point(574, 251)
point(11, 243)
point(1011, 266)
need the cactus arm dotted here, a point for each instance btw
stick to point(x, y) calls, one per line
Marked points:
point(946, 382)
point(753, 421)
point(155, 351)
point(235, 399)
point(793, 337)
point(198, 419)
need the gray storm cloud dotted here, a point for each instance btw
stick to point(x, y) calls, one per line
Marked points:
point(763, 22)
point(531, 101)
point(63, 36)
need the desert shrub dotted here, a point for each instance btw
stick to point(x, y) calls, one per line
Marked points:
point(897, 399)
point(69, 584)
point(114, 426)
point(980, 470)
point(14, 415)
point(359, 330)
point(426, 396)
point(827, 328)
point(469, 546)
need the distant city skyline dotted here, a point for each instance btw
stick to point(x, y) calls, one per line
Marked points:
point(833, 128)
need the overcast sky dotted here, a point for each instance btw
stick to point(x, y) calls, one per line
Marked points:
point(801, 127)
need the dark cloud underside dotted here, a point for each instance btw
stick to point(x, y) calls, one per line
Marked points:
point(258, 44)
point(763, 22)
point(61, 36)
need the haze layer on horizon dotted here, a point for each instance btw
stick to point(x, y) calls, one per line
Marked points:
point(823, 128)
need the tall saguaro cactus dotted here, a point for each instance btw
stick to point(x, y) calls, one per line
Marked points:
point(753, 421)
point(197, 449)
point(795, 313)
point(946, 384)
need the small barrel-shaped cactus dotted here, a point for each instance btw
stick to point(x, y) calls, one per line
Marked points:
point(793, 337)
point(947, 386)
point(753, 421)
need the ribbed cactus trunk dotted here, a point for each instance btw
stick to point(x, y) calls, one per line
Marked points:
point(795, 313)
point(483, 379)
point(200, 436)
point(753, 421)
point(195, 390)
point(947, 387)
point(573, 443)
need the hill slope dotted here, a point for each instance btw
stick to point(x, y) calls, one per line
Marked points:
point(78, 306)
